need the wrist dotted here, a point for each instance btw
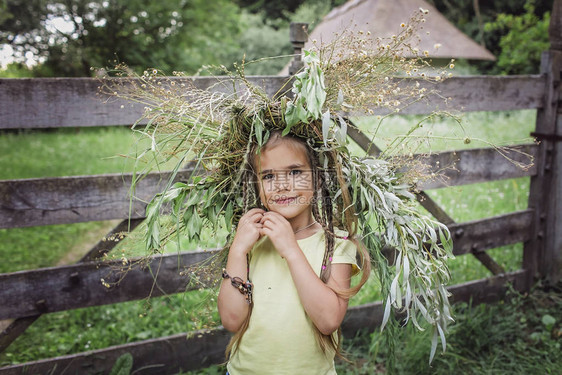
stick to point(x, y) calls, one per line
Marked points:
point(238, 250)
point(293, 253)
point(237, 259)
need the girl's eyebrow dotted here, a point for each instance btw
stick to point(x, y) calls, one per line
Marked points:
point(288, 168)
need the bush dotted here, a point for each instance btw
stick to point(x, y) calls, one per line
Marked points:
point(526, 38)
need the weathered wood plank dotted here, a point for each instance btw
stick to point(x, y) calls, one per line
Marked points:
point(168, 355)
point(111, 239)
point(464, 167)
point(433, 208)
point(489, 233)
point(488, 262)
point(67, 102)
point(29, 293)
point(11, 329)
point(64, 200)
point(542, 254)
point(165, 355)
point(481, 93)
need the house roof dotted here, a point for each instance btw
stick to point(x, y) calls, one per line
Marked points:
point(383, 18)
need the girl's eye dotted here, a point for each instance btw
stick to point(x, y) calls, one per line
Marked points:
point(267, 176)
point(295, 172)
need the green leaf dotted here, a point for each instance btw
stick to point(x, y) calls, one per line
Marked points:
point(433, 345)
point(342, 132)
point(386, 313)
point(258, 127)
point(549, 321)
point(228, 215)
point(194, 198)
point(326, 123)
point(123, 365)
point(291, 117)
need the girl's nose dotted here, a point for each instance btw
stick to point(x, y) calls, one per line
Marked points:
point(282, 182)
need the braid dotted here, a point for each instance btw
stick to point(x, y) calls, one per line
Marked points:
point(327, 209)
point(245, 198)
point(325, 215)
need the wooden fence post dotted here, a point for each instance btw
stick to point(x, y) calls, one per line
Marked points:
point(543, 253)
point(299, 36)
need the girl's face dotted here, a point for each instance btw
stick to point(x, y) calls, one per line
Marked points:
point(285, 181)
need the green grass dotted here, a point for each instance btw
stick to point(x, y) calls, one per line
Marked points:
point(55, 153)
point(92, 151)
point(519, 335)
point(98, 327)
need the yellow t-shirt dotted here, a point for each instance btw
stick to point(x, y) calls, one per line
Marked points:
point(280, 336)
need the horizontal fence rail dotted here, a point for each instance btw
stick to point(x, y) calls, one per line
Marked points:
point(455, 168)
point(69, 102)
point(29, 293)
point(75, 102)
point(195, 350)
point(63, 200)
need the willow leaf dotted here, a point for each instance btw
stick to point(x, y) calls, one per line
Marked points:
point(433, 345)
point(386, 313)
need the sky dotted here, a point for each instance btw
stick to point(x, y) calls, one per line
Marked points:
point(6, 50)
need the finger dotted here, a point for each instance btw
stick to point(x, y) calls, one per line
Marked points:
point(271, 227)
point(252, 212)
point(256, 217)
point(265, 231)
point(275, 215)
point(269, 219)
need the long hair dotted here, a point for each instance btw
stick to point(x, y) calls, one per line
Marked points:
point(327, 212)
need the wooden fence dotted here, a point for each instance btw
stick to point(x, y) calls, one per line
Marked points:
point(72, 102)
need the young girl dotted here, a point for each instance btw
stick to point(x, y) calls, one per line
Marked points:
point(286, 316)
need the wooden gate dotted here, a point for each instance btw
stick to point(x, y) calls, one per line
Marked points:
point(72, 102)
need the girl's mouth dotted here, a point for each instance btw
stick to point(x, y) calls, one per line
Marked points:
point(285, 200)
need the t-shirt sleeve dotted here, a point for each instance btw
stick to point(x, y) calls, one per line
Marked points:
point(346, 252)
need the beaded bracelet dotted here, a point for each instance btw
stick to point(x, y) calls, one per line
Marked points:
point(244, 288)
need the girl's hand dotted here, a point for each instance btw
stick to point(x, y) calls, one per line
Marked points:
point(248, 231)
point(280, 232)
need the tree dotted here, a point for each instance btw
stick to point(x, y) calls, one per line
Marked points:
point(283, 10)
point(524, 38)
point(71, 36)
point(475, 17)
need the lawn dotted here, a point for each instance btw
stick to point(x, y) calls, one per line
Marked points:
point(100, 150)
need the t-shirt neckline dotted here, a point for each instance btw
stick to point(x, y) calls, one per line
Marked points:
point(312, 235)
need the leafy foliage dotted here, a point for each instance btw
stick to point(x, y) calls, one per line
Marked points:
point(179, 35)
point(475, 18)
point(526, 38)
point(282, 9)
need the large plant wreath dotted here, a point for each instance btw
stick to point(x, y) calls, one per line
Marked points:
point(218, 131)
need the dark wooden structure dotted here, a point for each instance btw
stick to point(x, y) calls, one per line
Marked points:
point(68, 102)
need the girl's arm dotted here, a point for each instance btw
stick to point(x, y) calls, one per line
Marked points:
point(324, 307)
point(232, 305)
